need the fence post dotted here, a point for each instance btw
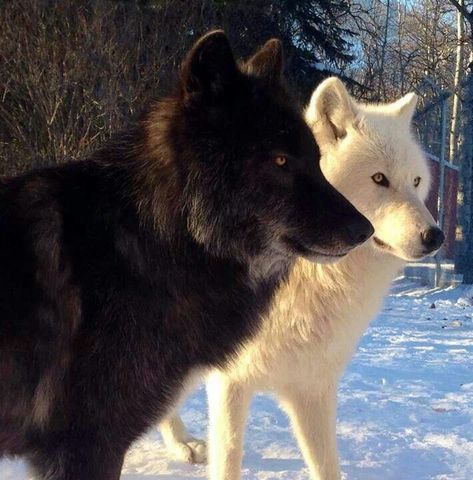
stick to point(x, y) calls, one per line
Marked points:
point(441, 191)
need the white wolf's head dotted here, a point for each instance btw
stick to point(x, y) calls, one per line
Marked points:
point(370, 156)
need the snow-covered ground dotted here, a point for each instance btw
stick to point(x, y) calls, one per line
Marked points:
point(405, 404)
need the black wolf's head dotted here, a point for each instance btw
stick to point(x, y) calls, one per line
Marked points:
point(250, 164)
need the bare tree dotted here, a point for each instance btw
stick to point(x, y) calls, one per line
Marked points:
point(464, 257)
point(400, 43)
point(72, 73)
point(384, 44)
point(459, 67)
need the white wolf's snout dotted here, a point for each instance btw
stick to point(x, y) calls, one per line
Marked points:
point(407, 228)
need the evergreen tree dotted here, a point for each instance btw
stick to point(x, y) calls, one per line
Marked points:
point(314, 34)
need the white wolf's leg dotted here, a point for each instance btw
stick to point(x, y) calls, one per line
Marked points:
point(313, 417)
point(228, 407)
point(179, 444)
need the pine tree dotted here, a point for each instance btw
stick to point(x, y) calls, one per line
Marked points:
point(314, 33)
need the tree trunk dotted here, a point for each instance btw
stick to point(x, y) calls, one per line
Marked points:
point(464, 251)
point(383, 53)
point(456, 87)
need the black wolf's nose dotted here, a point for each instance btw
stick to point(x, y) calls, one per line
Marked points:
point(432, 238)
point(359, 230)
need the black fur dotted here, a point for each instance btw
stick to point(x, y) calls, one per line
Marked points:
point(122, 273)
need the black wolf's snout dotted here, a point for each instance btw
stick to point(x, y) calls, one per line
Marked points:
point(358, 230)
point(432, 239)
point(350, 227)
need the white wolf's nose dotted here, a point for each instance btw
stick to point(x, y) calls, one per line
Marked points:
point(432, 239)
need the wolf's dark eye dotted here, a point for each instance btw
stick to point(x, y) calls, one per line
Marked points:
point(417, 181)
point(280, 160)
point(380, 179)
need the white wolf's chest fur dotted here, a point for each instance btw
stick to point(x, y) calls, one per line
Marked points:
point(310, 334)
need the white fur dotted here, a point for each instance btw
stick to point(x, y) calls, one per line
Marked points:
point(319, 314)
point(179, 444)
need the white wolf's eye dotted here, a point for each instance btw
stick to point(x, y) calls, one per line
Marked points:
point(417, 181)
point(280, 160)
point(380, 179)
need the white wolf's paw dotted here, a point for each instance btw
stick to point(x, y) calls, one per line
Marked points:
point(192, 450)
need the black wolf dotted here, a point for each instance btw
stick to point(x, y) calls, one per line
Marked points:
point(123, 273)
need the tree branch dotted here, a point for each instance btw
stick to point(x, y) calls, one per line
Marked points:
point(463, 10)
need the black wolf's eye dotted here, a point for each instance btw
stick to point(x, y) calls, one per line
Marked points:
point(380, 179)
point(280, 160)
point(417, 181)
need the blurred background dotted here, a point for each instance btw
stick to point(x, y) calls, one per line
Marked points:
point(73, 72)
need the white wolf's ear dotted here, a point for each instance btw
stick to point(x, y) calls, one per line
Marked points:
point(330, 112)
point(405, 107)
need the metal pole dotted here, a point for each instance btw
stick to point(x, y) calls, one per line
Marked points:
point(441, 191)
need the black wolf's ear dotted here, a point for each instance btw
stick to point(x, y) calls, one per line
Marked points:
point(331, 112)
point(210, 66)
point(268, 61)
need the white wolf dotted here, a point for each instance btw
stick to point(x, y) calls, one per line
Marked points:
point(318, 316)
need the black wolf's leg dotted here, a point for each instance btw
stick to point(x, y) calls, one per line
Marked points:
point(78, 462)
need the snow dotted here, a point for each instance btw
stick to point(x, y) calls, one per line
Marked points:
point(405, 404)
